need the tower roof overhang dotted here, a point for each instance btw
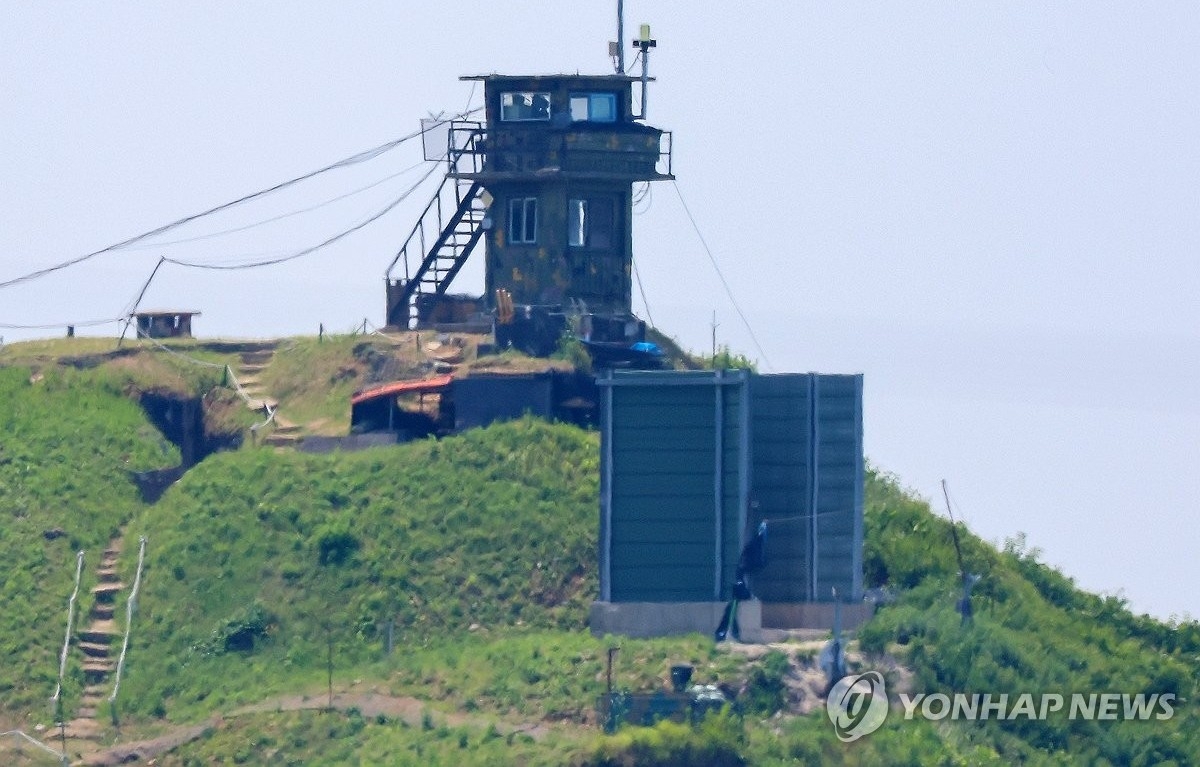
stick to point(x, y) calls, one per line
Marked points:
point(595, 79)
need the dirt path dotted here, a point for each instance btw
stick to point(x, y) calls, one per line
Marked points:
point(412, 711)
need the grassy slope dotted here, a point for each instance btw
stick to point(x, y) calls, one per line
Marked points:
point(306, 552)
point(1034, 631)
point(313, 380)
point(451, 534)
point(492, 528)
point(67, 441)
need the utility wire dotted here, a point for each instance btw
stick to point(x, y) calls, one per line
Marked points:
point(137, 301)
point(52, 325)
point(354, 159)
point(638, 276)
point(724, 282)
point(470, 97)
point(298, 254)
point(273, 219)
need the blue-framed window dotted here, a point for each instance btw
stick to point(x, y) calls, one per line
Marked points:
point(594, 107)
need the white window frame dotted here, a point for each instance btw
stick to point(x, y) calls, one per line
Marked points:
point(523, 232)
point(511, 96)
point(582, 215)
point(577, 222)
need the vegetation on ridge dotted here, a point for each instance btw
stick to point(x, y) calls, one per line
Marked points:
point(477, 554)
point(68, 442)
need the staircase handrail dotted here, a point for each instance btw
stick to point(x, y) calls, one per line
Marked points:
point(465, 137)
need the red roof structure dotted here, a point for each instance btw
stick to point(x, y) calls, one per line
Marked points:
point(437, 384)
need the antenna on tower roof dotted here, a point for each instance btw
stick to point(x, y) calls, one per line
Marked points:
point(617, 49)
point(644, 43)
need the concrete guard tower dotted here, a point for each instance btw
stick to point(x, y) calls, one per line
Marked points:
point(547, 181)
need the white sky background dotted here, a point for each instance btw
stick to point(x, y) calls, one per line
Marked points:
point(989, 208)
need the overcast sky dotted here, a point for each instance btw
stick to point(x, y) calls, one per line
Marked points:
point(989, 208)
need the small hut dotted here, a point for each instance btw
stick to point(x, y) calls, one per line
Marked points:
point(165, 324)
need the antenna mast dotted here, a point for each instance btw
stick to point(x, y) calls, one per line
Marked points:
point(644, 43)
point(620, 48)
point(968, 580)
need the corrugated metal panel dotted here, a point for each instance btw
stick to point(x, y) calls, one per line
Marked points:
point(781, 481)
point(807, 480)
point(839, 462)
point(687, 457)
point(672, 485)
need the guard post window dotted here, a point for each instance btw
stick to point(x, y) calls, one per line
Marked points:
point(522, 220)
point(594, 107)
point(590, 223)
point(517, 106)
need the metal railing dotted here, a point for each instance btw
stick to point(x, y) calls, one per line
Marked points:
point(663, 164)
point(466, 142)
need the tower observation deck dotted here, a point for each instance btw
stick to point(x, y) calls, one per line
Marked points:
point(546, 181)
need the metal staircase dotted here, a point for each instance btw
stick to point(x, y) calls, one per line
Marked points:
point(445, 235)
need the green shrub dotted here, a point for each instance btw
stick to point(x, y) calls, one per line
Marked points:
point(241, 632)
point(335, 546)
point(765, 689)
point(716, 742)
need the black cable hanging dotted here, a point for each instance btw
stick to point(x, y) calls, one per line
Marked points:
point(728, 290)
point(354, 159)
point(280, 217)
point(312, 249)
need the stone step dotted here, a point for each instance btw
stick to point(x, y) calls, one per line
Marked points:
point(94, 649)
point(83, 729)
point(290, 428)
point(86, 712)
point(95, 691)
point(257, 357)
point(107, 592)
point(100, 632)
point(103, 610)
point(108, 575)
point(112, 551)
point(105, 664)
point(282, 440)
point(259, 403)
point(253, 367)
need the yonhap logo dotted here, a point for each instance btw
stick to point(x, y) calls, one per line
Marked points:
point(857, 705)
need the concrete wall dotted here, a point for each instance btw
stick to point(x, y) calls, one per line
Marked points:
point(652, 619)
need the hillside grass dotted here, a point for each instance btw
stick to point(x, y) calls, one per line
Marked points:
point(302, 738)
point(68, 440)
point(137, 365)
point(313, 380)
point(259, 557)
point(480, 552)
point(1033, 631)
point(450, 547)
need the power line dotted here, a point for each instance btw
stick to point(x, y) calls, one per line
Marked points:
point(638, 276)
point(52, 325)
point(717, 268)
point(137, 301)
point(273, 219)
point(354, 159)
point(312, 249)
